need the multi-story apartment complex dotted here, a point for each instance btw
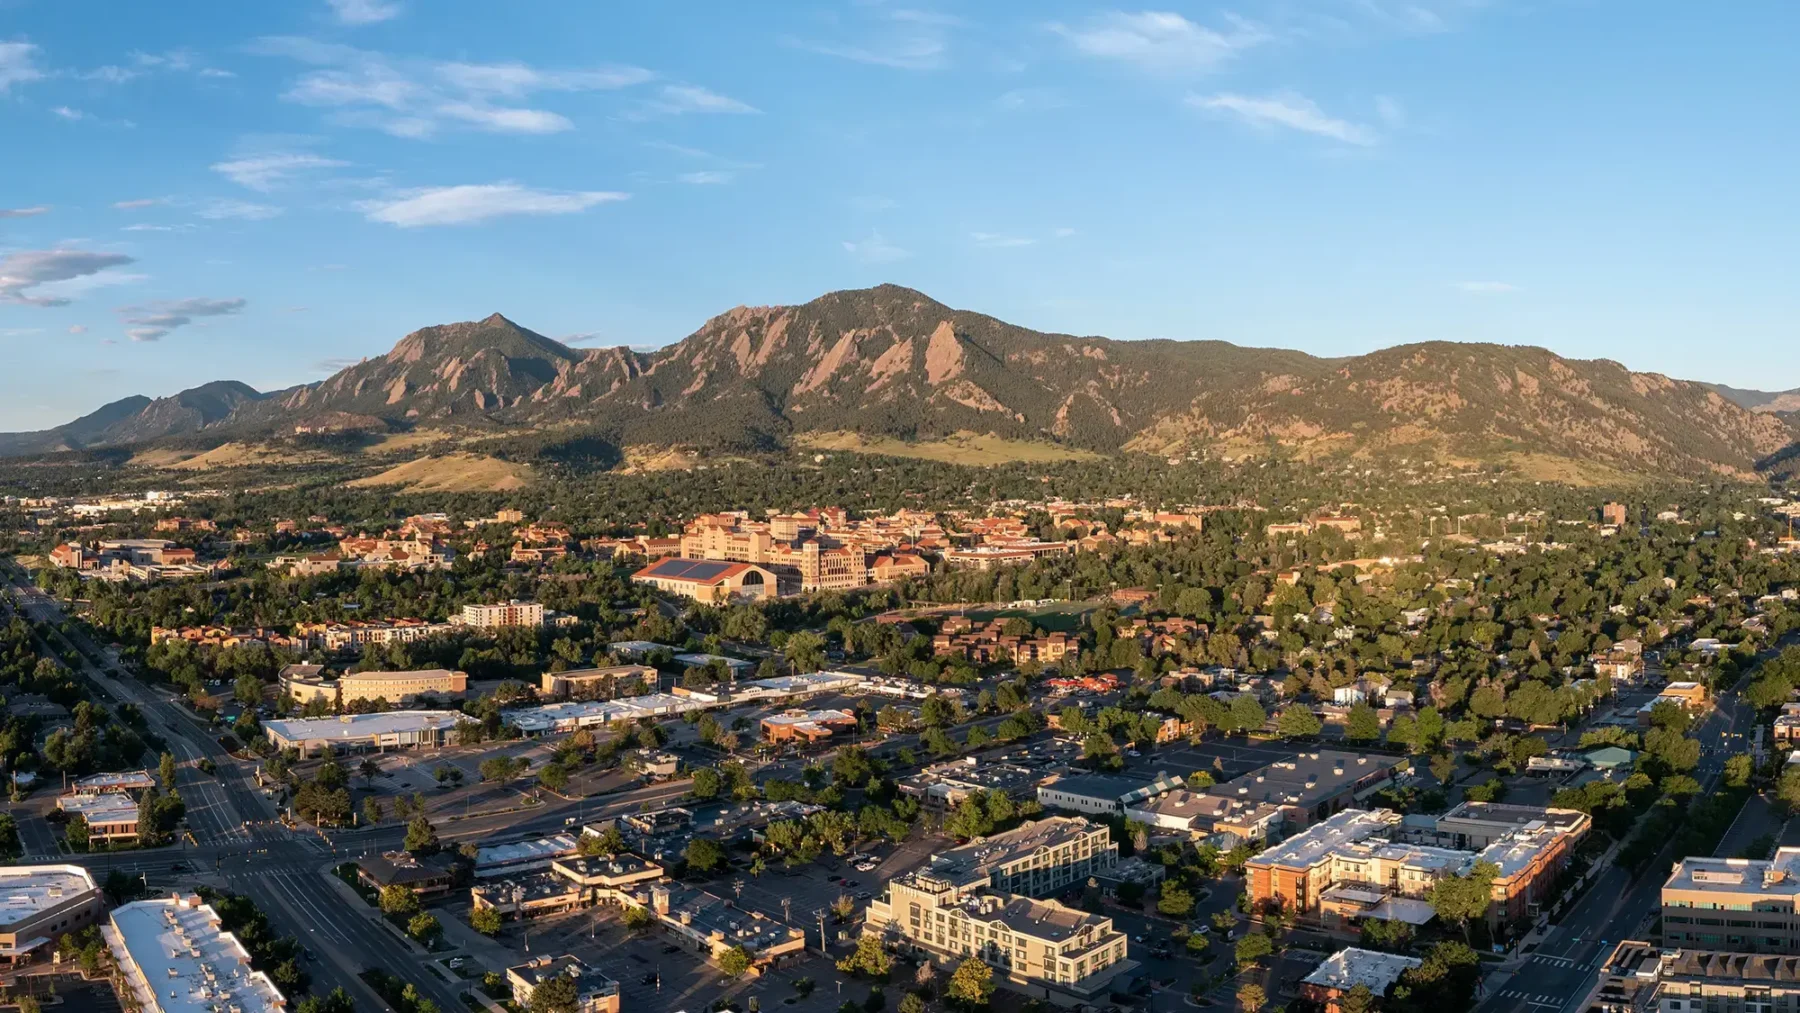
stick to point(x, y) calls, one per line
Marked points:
point(355, 635)
point(1638, 977)
point(39, 903)
point(306, 683)
point(1035, 859)
point(512, 613)
point(1355, 864)
point(175, 957)
point(1734, 904)
point(990, 643)
point(1037, 947)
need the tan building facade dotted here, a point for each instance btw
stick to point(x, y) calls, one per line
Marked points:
point(305, 684)
point(39, 903)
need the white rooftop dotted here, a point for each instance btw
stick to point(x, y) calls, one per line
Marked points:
point(119, 781)
point(1317, 842)
point(507, 857)
point(1350, 967)
point(29, 890)
point(362, 726)
point(177, 960)
point(100, 808)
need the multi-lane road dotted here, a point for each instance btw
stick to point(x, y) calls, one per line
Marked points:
point(1561, 971)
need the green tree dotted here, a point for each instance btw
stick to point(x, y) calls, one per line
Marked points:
point(1362, 724)
point(165, 768)
point(1251, 997)
point(76, 832)
point(1737, 770)
point(1252, 948)
point(1175, 901)
point(484, 920)
point(911, 1003)
point(1246, 714)
point(397, 899)
point(869, 960)
point(371, 810)
point(1298, 721)
point(558, 994)
point(705, 855)
point(636, 917)
point(1461, 899)
point(735, 961)
point(421, 837)
point(424, 927)
point(972, 983)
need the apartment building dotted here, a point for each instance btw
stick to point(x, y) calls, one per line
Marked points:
point(1037, 947)
point(1355, 864)
point(512, 613)
point(1035, 859)
point(989, 556)
point(39, 903)
point(355, 635)
point(1734, 904)
point(593, 682)
point(307, 683)
point(990, 643)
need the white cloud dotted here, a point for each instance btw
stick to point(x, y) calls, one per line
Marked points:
point(507, 121)
point(146, 227)
point(418, 98)
point(921, 53)
point(709, 177)
point(141, 202)
point(18, 64)
point(1063, 233)
point(227, 208)
point(77, 328)
point(363, 12)
point(1160, 41)
point(1485, 287)
point(68, 113)
point(875, 250)
point(22, 272)
point(1294, 112)
point(269, 170)
point(155, 320)
point(31, 212)
point(996, 241)
point(465, 205)
point(680, 99)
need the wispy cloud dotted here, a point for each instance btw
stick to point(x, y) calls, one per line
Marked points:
point(710, 177)
point(154, 321)
point(18, 64)
point(227, 208)
point(419, 98)
point(23, 273)
point(899, 38)
point(1287, 111)
point(996, 241)
point(466, 205)
point(31, 212)
point(77, 328)
point(141, 202)
point(68, 113)
point(682, 99)
point(269, 170)
point(875, 250)
point(147, 227)
point(1161, 42)
point(1485, 287)
point(363, 12)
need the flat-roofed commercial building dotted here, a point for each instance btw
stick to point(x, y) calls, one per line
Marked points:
point(1347, 968)
point(512, 613)
point(110, 818)
point(1313, 785)
point(1037, 947)
point(943, 786)
point(591, 682)
point(1734, 904)
point(175, 958)
point(1198, 814)
point(1102, 794)
point(711, 925)
point(39, 903)
point(1352, 866)
point(1035, 859)
point(1475, 825)
point(807, 726)
point(103, 784)
point(594, 991)
point(568, 884)
point(306, 683)
point(387, 730)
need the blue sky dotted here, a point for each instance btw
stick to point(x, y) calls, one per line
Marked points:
point(266, 191)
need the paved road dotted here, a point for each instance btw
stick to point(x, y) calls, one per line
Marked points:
point(1563, 968)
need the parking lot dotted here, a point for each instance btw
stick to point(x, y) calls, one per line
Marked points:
point(1223, 759)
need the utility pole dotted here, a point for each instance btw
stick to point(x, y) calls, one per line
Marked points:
point(820, 915)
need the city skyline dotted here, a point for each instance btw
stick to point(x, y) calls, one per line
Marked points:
point(270, 194)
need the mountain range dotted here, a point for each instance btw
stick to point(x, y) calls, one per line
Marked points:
point(892, 362)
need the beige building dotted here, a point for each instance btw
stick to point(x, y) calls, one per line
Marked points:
point(38, 903)
point(306, 683)
point(709, 581)
point(1639, 977)
point(111, 818)
point(1035, 859)
point(1734, 904)
point(1037, 947)
point(592, 682)
point(594, 991)
point(512, 613)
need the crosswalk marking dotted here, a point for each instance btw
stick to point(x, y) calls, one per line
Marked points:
point(1556, 961)
point(1531, 999)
